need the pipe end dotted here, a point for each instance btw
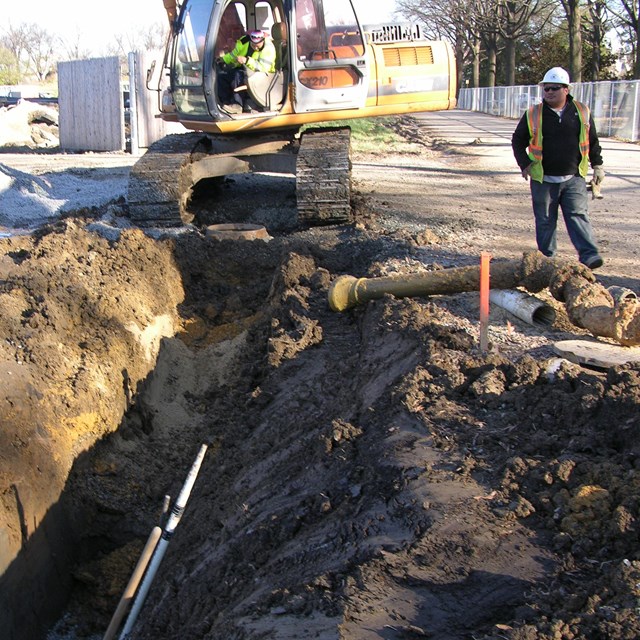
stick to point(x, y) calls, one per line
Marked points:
point(342, 293)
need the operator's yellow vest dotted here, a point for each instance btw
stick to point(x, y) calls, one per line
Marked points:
point(534, 120)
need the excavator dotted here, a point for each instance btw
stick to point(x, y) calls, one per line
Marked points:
point(329, 68)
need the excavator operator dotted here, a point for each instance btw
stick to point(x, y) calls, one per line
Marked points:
point(252, 53)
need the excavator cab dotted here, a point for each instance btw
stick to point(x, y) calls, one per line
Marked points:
point(325, 70)
point(320, 65)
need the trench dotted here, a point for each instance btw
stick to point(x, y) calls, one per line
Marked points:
point(262, 371)
point(82, 552)
point(116, 493)
point(365, 470)
point(102, 512)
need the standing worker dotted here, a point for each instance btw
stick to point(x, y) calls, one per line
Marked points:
point(553, 144)
point(252, 53)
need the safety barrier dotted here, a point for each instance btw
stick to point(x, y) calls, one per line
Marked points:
point(615, 105)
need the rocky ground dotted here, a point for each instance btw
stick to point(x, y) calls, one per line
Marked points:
point(369, 474)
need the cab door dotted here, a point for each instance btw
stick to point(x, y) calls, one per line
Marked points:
point(328, 55)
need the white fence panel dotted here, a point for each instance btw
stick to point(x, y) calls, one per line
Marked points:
point(615, 105)
point(91, 106)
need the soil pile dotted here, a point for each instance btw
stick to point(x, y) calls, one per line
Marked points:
point(30, 125)
point(369, 474)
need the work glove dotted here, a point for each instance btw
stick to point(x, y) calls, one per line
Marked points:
point(598, 175)
point(526, 172)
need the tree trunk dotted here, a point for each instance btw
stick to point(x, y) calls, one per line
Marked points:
point(510, 63)
point(492, 65)
point(459, 54)
point(574, 20)
point(475, 52)
point(636, 62)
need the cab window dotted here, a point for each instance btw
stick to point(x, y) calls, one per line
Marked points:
point(187, 81)
point(327, 30)
point(232, 27)
point(191, 42)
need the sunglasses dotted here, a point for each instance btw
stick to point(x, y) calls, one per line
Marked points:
point(552, 88)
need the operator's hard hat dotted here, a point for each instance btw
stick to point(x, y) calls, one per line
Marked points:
point(557, 75)
point(256, 36)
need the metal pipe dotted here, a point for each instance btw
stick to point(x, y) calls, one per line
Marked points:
point(161, 548)
point(528, 308)
point(346, 291)
point(133, 106)
point(621, 294)
point(134, 581)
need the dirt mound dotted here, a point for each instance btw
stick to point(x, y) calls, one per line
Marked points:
point(369, 474)
point(29, 125)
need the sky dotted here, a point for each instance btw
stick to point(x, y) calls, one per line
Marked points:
point(94, 24)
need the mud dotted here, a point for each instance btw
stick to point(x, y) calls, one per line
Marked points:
point(369, 474)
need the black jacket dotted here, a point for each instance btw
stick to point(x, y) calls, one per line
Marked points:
point(560, 141)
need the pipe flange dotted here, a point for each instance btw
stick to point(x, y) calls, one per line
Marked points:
point(237, 231)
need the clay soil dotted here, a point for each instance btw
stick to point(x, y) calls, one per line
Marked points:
point(369, 474)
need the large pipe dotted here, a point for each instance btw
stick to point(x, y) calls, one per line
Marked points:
point(161, 548)
point(589, 305)
point(534, 272)
point(528, 308)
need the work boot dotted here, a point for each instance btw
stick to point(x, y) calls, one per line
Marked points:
point(594, 263)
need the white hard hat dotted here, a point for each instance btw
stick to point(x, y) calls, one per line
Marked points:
point(558, 75)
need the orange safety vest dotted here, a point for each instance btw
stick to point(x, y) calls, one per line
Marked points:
point(534, 120)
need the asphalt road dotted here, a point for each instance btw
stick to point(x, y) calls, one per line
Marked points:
point(458, 127)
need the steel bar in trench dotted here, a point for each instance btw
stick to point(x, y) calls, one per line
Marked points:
point(161, 548)
point(133, 583)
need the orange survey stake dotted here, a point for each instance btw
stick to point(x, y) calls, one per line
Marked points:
point(485, 259)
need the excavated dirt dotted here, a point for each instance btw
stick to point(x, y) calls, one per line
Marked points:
point(369, 474)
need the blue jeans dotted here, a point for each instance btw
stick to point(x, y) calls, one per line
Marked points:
point(572, 197)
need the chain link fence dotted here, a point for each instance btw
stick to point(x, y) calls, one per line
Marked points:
point(615, 105)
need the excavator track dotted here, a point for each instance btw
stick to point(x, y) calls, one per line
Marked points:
point(323, 176)
point(160, 182)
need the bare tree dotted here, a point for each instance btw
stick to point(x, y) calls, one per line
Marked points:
point(40, 50)
point(627, 14)
point(481, 27)
point(148, 38)
point(516, 22)
point(15, 39)
point(153, 37)
point(597, 25)
point(487, 23)
point(33, 49)
point(73, 48)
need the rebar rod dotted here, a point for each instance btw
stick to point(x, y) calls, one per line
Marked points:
point(161, 548)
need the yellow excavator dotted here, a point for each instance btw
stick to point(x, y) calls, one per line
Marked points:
point(328, 68)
